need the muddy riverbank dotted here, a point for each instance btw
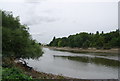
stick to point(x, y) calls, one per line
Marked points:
point(38, 75)
point(89, 50)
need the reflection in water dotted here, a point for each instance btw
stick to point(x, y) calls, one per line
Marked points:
point(83, 66)
point(95, 60)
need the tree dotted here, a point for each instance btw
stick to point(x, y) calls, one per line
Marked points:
point(100, 42)
point(54, 38)
point(86, 44)
point(16, 40)
point(85, 40)
point(102, 33)
point(60, 43)
point(97, 32)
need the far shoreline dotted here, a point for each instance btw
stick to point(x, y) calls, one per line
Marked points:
point(88, 50)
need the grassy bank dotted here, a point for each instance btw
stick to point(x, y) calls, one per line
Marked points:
point(89, 50)
point(38, 75)
point(18, 71)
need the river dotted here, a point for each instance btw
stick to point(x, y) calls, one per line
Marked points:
point(77, 65)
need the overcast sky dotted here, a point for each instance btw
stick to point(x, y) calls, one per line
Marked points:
point(49, 18)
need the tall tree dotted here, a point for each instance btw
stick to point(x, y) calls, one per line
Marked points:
point(16, 40)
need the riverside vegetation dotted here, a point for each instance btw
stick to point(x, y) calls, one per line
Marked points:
point(16, 43)
point(89, 40)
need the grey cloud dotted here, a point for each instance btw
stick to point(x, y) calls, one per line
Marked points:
point(33, 17)
point(38, 20)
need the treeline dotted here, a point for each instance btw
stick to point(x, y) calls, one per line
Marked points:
point(86, 40)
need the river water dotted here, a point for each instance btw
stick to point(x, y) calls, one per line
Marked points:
point(77, 65)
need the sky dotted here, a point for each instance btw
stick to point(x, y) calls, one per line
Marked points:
point(59, 18)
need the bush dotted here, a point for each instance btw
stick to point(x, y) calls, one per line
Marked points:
point(14, 73)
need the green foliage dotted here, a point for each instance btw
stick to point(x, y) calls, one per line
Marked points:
point(86, 40)
point(16, 40)
point(14, 74)
point(86, 44)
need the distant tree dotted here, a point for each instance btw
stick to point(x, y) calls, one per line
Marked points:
point(100, 42)
point(54, 38)
point(97, 32)
point(86, 44)
point(60, 43)
point(102, 33)
point(85, 40)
